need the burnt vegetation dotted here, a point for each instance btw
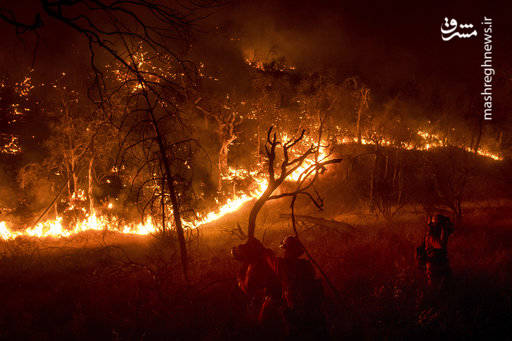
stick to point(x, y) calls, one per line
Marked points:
point(164, 133)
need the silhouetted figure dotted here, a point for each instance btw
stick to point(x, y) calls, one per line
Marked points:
point(437, 266)
point(260, 285)
point(302, 293)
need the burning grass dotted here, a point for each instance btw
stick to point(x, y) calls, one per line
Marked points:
point(123, 287)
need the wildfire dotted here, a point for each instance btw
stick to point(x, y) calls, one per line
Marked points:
point(323, 154)
point(431, 141)
point(435, 141)
point(92, 222)
point(231, 206)
point(261, 66)
point(12, 147)
point(55, 228)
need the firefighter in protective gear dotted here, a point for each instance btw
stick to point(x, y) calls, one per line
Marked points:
point(302, 293)
point(437, 266)
point(259, 284)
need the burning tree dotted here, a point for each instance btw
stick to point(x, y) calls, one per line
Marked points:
point(75, 133)
point(13, 106)
point(150, 124)
point(360, 94)
point(114, 31)
point(304, 167)
point(226, 115)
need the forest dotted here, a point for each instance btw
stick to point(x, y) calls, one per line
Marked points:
point(145, 143)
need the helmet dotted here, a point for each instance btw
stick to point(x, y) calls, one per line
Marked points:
point(293, 246)
point(250, 251)
point(440, 221)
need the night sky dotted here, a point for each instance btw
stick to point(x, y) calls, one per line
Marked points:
point(395, 47)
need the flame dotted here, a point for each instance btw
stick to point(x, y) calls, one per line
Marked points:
point(430, 141)
point(92, 222)
point(12, 147)
point(55, 228)
point(262, 66)
point(231, 206)
point(322, 156)
point(5, 233)
point(435, 141)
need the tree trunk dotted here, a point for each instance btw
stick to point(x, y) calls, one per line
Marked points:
point(358, 126)
point(164, 161)
point(89, 187)
point(75, 183)
point(176, 214)
point(223, 160)
point(172, 194)
point(162, 203)
point(74, 176)
point(223, 163)
point(257, 207)
point(69, 185)
point(362, 104)
point(258, 155)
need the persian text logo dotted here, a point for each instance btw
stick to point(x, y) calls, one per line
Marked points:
point(449, 30)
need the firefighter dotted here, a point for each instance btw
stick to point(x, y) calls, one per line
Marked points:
point(302, 293)
point(437, 266)
point(259, 284)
